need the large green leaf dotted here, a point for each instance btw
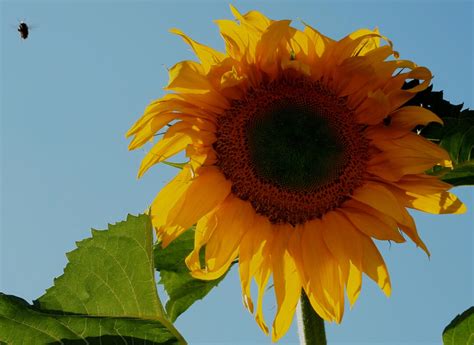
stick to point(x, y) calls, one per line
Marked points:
point(22, 323)
point(110, 273)
point(108, 289)
point(456, 135)
point(183, 290)
point(461, 330)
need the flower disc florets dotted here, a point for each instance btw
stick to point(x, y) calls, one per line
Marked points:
point(292, 148)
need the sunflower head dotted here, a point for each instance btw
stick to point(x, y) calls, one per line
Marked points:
point(301, 153)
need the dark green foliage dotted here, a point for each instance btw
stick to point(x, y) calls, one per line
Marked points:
point(456, 136)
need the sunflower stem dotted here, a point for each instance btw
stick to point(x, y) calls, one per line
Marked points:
point(310, 325)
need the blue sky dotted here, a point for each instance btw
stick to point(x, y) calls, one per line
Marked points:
point(71, 91)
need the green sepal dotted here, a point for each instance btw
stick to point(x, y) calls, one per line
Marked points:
point(175, 165)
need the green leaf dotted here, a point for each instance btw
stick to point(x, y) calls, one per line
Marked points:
point(463, 174)
point(461, 330)
point(456, 135)
point(22, 323)
point(183, 290)
point(108, 289)
point(111, 273)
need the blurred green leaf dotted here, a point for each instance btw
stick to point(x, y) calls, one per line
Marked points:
point(456, 135)
point(461, 330)
point(108, 289)
point(183, 290)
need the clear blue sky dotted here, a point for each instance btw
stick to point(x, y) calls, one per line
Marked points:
point(70, 92)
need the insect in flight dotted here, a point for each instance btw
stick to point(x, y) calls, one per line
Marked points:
point(24, 30)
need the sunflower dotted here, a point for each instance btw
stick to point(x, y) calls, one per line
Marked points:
point(301, 153)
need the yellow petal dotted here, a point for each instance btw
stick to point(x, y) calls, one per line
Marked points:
point(188, 76)
point(169, 234)
point(200, 155)
point(201, 105)
point(420, 73)
point(166, 199)
point(373, 226)
point(359, 42)
point(374, 265)
point(378, 56)
point(381, 132)
point(408, 226)
point(409, 117)
point(152, 110)
point(163, 149)
point(299, 44)
point(234, 218)
point(319, 43)
point(261, 278)
point(296, 65)
point(352, 75)
point(286, 280)
point(252, 25)
point(150, 129)
point(394, 165)
point(194, 132)
point(407, 223)
point(252, 253)
point(207, 55)
point(344, 243)
point(198, 123)
point(207, 190)
point(413, 142)
point(253, 19)
point(230, 79)
point(374, 109)
point(369, 43)
point(364, 208)
point(315, 290)
point(397, 96)
point(409, 154)
point(436, 203)
point(380, 198)
point(204, 229)
point(403, 121)
point(233, 36)
point(272, 45)
point(165, 105)
point(422, 184)
point(325, 288)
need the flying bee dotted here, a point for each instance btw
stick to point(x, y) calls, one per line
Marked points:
point(23, 30)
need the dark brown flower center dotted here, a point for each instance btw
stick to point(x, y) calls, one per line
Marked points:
point(292, 148)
